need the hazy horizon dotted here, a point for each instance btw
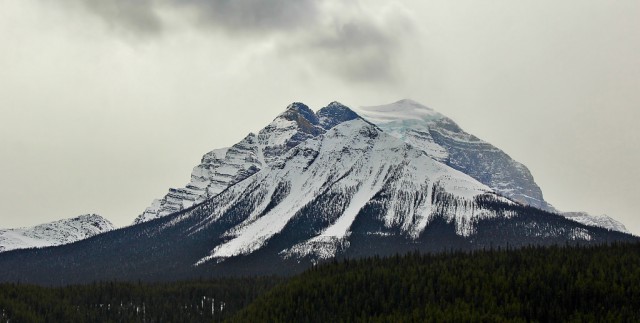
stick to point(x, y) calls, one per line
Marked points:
point(106, 105)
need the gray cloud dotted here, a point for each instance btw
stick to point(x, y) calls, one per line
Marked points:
point(361, 49)
point(256, 16)
point(353, 34)
point(244, 16)
point(343, 39)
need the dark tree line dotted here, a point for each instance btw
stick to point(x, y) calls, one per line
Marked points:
point(192, 301)
point(569, 283)
point(545, 284)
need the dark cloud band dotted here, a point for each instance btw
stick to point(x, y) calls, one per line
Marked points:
point(358, 45)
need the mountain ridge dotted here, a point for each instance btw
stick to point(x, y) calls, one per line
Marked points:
point(221, 168)
point(416, 124)
point(603, 221)
point(54, 233)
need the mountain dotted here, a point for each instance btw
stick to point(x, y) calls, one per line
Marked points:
point(320, 185)
point(54, 233)
point(442, 139)
point(420, 126)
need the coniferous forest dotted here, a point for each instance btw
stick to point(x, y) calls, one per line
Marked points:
point(191, 301)
point(545, 284)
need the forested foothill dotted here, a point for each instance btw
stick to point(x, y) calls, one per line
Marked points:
point(546, 284)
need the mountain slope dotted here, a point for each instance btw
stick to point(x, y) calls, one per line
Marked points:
point(351, 163)
point(442, 139)
point(54, 233)
point(350, 191)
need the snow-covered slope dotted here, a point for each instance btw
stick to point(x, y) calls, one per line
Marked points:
point(54, 233)
point(442, 139)
point(603, 221)
point(330, 179)
point(222, 168)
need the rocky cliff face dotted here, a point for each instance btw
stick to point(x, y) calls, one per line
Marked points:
point(222, 168)
point(54, 233)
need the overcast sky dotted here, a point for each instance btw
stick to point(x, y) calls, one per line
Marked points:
point(104, 105)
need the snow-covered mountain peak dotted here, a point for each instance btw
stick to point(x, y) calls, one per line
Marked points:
point(417, 125)
point(54, 233)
